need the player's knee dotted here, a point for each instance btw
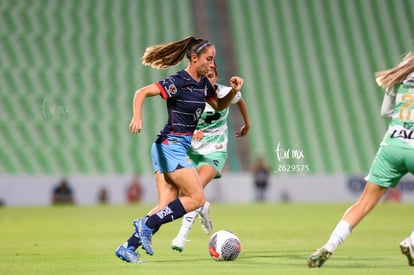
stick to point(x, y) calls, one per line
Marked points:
point(201, 202)
point(199, 199)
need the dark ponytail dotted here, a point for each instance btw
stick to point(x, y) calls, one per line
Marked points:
point(166, 55)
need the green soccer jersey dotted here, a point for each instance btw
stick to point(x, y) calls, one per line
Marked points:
point(214, 125)
point(401, 128)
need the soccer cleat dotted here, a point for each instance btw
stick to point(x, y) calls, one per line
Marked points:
point(407, 250)
point(127, 254)
point(145, 234)
point(178, 244)
point(319, 257)
point(205, 219)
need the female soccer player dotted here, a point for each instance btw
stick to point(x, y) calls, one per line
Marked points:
point(186, 93)
point(394, 159)
point(208, 152)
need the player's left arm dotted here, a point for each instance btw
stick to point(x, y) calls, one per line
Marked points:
point(241, 105)
point(220, 104)
point(388, 103)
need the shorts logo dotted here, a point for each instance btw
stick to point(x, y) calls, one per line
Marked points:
point(172, 89)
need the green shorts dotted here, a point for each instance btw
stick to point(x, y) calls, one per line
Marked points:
point(390, 164)
point(215, 160)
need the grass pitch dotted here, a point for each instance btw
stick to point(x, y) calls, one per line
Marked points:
point(276, 239)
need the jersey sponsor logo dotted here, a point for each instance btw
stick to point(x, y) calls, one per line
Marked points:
point(404, 133)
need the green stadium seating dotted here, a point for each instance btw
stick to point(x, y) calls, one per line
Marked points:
point(69, 70)
point(309, 69)
point(68, 73)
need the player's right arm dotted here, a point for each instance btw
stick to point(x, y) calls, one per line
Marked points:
point(135, 125)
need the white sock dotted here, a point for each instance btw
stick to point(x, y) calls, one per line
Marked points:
point(187, 223)
point(412, 238)
point(338, 236)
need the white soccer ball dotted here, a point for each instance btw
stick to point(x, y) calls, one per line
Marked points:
point(224, 245)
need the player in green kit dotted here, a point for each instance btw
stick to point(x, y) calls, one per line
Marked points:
point(394, 159)
point(208, 152)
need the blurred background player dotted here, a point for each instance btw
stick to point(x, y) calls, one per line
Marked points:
point(261, 173)
point(186, 92)
point(134, 190)
point(394, 159)
point(103, 195)
point(63, 193)
point(208, 152)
